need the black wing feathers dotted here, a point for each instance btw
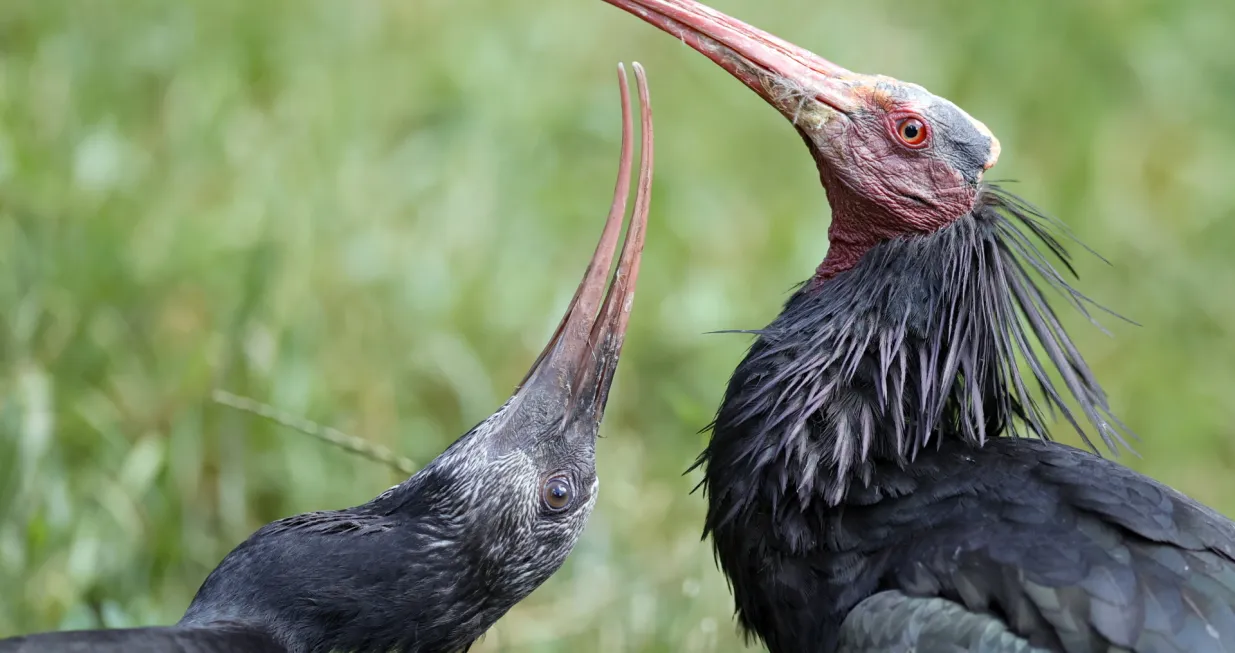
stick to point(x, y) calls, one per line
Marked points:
point(1073, 552)
point(893, 622)
point(222, 638)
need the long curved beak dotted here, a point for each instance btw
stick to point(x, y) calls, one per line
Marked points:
point(777, 70)
point(579, 362)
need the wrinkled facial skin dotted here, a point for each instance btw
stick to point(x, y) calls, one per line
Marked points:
point(882, 185)
point(882, 182)
point(869, 168)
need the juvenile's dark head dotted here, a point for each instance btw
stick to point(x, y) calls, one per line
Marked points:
point(895, 159)
point(522, 484)
point(526, 477)
point(433, 562)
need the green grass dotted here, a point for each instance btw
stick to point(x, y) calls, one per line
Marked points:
point(373, 213)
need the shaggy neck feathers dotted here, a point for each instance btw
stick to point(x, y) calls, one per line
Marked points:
point(925, 338)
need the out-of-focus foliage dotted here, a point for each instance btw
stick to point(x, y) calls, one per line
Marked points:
point(373, 213)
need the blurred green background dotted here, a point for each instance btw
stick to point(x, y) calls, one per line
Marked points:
point(372, 214)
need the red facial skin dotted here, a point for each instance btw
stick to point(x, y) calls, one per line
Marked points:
point(880, 185)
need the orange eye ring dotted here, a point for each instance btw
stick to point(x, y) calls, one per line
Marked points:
point(912, 131)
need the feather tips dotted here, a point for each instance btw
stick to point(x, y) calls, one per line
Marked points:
point(939, 336)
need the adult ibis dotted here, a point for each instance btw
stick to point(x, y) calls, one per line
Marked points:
point(862, 494)
point(431, 563)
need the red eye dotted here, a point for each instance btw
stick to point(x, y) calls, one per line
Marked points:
point(911, 131)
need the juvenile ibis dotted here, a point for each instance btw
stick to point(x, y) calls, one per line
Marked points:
point(861, 493)
point(430, 564)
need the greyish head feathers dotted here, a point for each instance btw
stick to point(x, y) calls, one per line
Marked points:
point(515, 494)
point(516, 491)
point(433, 562)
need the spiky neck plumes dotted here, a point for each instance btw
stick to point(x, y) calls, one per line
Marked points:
point(927, 338)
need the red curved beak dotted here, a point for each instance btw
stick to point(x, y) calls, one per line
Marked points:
point(779, 71)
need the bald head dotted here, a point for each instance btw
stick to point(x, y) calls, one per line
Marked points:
point(895, 159)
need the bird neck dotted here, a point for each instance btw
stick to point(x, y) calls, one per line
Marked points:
point(860, 223)
point(915, 343)
point(415, 569)
point(386, 575)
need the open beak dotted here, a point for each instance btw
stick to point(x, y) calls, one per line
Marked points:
point(780, 72)
point(579, 362)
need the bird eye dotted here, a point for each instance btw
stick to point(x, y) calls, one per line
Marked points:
point(911, 132)
point(556, 494)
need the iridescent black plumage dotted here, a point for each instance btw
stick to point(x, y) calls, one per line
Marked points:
point(852, 459)
point(919, 341)
point(429, 565)
point(864, 491)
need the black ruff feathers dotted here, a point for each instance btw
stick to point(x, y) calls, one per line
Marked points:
point(929, 337)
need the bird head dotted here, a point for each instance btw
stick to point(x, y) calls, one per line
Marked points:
point(518, 488)
point(895, 159)
point(433, 562)
point(925, 259)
